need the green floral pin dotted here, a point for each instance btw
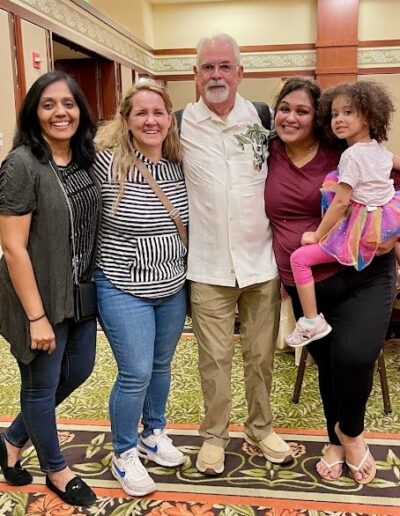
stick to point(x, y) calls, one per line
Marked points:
point(257, 137)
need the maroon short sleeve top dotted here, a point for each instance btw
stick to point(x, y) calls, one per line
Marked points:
point(293, 203)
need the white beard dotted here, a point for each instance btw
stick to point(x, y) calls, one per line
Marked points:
point(217, 96)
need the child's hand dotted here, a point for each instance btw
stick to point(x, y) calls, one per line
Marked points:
point(309, 237)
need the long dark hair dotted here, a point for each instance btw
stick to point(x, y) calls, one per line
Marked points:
point(311, 88)
point(29, 132)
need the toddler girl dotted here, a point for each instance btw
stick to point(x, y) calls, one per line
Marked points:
point(362, 206)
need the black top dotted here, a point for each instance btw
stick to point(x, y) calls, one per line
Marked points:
point(84, 201)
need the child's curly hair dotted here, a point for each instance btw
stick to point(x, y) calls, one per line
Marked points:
point(369, 98)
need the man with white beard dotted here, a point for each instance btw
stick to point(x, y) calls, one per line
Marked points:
point(230, 260)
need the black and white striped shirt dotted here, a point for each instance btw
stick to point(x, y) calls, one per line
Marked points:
point(140, 250)
point(84, 200)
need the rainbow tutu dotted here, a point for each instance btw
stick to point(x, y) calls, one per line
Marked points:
point(354, 239)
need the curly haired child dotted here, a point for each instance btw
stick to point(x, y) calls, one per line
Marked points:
point(361, 203)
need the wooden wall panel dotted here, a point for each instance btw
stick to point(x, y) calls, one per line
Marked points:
point(8, 81)
point(109, 88)
point(84, 72)
point(337, 41)
point(17, 56)
point(337, 22)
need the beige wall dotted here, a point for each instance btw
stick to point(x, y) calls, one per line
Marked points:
point(392, 82)
point(7, 100)
point(181, 92)
point(379, 19)
point(126, 78)
point(135, 15)
point(254, 22)
point(33, 40)
point(262, 90)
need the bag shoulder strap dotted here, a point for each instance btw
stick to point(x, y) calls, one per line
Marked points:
point(173, 212)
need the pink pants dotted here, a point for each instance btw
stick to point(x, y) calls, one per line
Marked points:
point(304, 258)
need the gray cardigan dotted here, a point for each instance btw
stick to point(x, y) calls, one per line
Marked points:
point(29, 185)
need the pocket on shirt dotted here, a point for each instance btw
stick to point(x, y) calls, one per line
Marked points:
point(247, 174)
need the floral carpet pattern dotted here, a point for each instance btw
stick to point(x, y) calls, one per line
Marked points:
point(247, 477)
point(249, 486)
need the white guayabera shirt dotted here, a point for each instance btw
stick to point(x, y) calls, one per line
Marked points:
point(225, 171)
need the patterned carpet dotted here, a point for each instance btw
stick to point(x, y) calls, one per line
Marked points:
point(249, 486)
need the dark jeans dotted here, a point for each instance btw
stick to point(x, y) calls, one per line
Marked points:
point(46, 382)
point(358, 306)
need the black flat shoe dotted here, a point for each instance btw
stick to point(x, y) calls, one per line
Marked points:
point(16, 475)
point(77, 492)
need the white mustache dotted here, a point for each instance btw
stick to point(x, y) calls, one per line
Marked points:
point(212, 83)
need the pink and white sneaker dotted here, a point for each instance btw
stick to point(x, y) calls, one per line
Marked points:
point(304, 333)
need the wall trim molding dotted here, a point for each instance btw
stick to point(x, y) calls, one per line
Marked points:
point(379, 43)
point(243, 49)
point(113, 24)
point(74, 23)
point(390, 70)
point(382, 56)
point(77, 21)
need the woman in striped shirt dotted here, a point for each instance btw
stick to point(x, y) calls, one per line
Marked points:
point(140, 276)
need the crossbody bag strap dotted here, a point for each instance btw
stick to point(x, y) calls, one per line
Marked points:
point(173, 212)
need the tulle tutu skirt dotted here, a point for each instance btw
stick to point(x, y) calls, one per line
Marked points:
point(354, 239)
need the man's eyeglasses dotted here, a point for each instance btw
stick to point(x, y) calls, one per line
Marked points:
point(226, 68)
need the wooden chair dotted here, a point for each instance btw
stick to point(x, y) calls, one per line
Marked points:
point(382, 375)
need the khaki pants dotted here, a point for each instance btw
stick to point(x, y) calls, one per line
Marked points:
point(213, 315)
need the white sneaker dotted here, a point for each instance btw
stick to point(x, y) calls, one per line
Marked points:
point(304, 334)
point(131, 474)
point(158, 447)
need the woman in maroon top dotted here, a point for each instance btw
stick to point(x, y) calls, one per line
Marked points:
point(356, 304)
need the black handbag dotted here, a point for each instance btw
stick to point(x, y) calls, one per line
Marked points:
point(85, 301)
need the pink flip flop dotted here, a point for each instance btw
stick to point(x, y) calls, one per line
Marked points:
point(355, 469)
point(330, 467)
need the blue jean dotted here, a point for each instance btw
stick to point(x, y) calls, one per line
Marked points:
point(143, 334)
point(45, 383)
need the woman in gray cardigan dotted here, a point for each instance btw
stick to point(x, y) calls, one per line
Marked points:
point(49, 208)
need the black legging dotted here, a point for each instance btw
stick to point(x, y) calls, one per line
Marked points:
point(358, 306)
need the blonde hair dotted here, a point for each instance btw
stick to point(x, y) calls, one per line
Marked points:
point(115, 135)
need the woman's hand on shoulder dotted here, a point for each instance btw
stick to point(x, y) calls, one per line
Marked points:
point(42, 336)
point(309, 237)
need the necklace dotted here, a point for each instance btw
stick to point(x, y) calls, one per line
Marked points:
point(301, 154)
